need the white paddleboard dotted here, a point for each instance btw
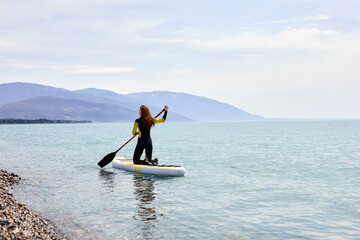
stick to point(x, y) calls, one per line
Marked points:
point(161, 170)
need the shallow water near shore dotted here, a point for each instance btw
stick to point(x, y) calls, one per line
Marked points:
point(259, 180)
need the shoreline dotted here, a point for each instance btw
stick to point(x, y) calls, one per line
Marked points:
point(18, 221)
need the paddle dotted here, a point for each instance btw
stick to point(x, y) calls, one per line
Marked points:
point(108, 158)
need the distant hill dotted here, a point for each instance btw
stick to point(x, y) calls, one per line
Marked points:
point(198, 108)
point(68, 109)
point(14, 92)
point(30, 101)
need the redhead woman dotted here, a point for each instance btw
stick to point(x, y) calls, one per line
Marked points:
point(144, 124)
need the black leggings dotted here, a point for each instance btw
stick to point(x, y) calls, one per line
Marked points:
point(140, 146)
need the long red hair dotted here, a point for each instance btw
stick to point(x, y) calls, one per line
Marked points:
point(145, 117)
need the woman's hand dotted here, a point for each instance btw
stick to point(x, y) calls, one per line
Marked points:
point(166, 108)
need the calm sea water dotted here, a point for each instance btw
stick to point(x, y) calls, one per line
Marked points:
point(264, 180)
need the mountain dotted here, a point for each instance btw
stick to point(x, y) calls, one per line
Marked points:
point(68, 109)
point(115, 98)
point(14, 92)
point(21, 92)
point(198, 108)
point(27, 100)
point(193, 107)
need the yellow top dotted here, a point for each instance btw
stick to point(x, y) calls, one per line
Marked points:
point(136, 125)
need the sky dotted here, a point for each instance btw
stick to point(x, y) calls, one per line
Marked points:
point(274, 58)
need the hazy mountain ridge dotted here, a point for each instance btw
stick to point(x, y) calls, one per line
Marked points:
point(68, 109)
point(195, 107)
point(27, 100)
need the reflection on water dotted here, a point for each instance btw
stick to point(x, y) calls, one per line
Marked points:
point(108, 179)
point(146, 214)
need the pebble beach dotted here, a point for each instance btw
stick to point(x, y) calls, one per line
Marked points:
point(17, 221)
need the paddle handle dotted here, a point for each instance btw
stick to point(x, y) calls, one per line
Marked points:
point(136, 134)
point(160, 113)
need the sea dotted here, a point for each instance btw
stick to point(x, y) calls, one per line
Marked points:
point(245, 180)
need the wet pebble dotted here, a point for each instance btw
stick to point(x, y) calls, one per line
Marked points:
point(17, 221)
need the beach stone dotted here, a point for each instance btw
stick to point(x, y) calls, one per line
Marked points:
point(17, 221)
point(4, 222)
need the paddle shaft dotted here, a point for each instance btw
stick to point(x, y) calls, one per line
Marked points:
point(136, 134)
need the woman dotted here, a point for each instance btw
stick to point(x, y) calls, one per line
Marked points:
point(144, 124)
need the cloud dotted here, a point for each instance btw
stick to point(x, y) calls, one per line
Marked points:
point(90, 69)
point(301, 39)
point(18, 11)
point(110, 16)
point(179, 72)
point(71, 69)
point(250, 55)
point(141, 24)
point(320, 17)
point(173, 41)
point(295, 39)
point(16, 63)
point(8, 43)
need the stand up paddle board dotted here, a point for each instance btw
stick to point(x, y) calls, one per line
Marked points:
point(161, 170)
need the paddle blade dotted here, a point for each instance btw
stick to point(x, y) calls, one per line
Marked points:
point(107, 159)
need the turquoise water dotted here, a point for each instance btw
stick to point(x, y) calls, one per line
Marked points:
point(263, 180)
